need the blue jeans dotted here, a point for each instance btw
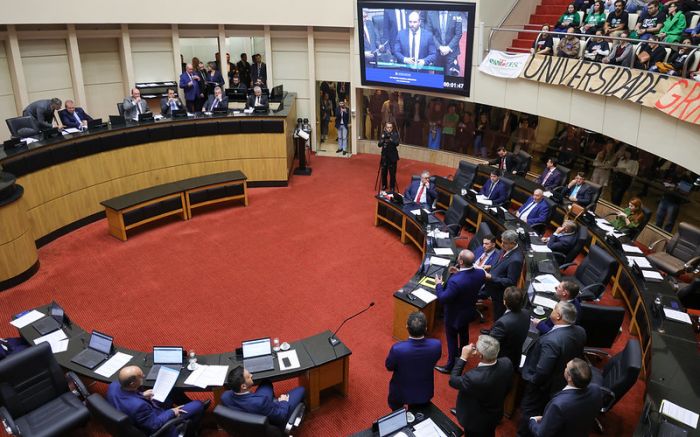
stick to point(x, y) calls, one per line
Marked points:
point(343, 137)
point(479, 147)
point(670, 209)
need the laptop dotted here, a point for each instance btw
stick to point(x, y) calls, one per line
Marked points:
point(428, 219)
point(98, 350)
point(257, 355)
point(95, 124)
point(46, 325)
point(146, 117)
point(168, 356)
point(117, 120)
point(394, 423)
point(179, 113)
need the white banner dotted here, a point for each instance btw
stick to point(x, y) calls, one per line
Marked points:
point(502, 64)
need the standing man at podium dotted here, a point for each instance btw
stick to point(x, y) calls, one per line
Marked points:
point(190, 82)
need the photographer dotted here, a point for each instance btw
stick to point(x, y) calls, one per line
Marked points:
point(389, 142)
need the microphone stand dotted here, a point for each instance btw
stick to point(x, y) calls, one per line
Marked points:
point(332, 339)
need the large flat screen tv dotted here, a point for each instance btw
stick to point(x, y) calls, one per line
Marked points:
point(416, 45)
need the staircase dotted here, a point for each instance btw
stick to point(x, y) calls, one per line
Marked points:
point(547, 12)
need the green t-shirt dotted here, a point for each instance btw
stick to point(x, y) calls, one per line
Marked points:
point(595, 20)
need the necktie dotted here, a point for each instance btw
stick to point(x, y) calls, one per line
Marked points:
point(575, 190)
point(75, 114)
point(482, 258)
point(503, 254)
point(503, 164)
point(546, 177)
point(173, 105)
point(367, 35)
point(491, 190)
point(414, 50)
point(420, 193)
point(443, 24)
point(138, 108)
point(527, 209)
point(214, 104)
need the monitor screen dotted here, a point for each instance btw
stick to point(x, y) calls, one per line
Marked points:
point(416, 45)
point(392, 422)
point(167, 355)
point(100, 342)
point(256, 348)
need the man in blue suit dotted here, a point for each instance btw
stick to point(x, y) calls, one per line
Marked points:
point(412, 362)
point(579, 191)
point(414, 46)
point(505, 273)
point(535, 210)
point(395, 21)
point(145, 413)
point(422, 191)
point(566, 291)
point(73, 117)
point(262, 401)
point(372, 44)
point(571, 412)
point(446, 28)
point(494, 189)
point(543, 370)
point(458, 298)
point(564, 237)
point(551, 177)
point(216, 101)
point(189, 81)
point(487, 254)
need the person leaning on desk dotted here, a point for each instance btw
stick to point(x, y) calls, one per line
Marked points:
point(43, 111)
point(630, 217)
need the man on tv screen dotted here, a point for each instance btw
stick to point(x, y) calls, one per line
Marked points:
point(415, 46)
point(446, 28)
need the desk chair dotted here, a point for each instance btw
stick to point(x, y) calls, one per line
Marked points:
point(582, 240)
point(35, 399)
point(478, 237)
point(242, 424)
point(522, 162)
point(602, 324)
point(22, 127)
point(509, 191)
point(593, 274)
point(464, 177)
point(541, 227)
point(564, 171)
point(120, 108)
point(455, 215)
point(684, 245)
point(119, 424)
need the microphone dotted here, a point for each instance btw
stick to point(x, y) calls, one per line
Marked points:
point(334, 341)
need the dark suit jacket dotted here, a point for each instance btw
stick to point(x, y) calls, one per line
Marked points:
point(412, 191)
point(68, 120)
point(507, 271)
point(481, 394)
point(426, 47)
point(553, 181)
point(459, 297)
point(570, 413)
point(510, 163)
point(412, 362)
point(499, 194)
point(258, 73)
point(276, 411)
point(538, 214)
point(213, 81)
point(510, 330)
point(373, 42)
point(244, 72)
point(41, 111)
point(584, 195)
point(562, 243)
point(165, 107)
point(453, 30)
point(546, 325)
point(490, 260)
point(223, 103)
point(145, 415)
point(251, 101)
point(390, 27)
point(390, 151)
point(345, 117)
point(547, 358)
point(191, 91)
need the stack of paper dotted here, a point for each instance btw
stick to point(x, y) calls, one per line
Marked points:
point(27, 319)
point(631, 249)
point(113, 364)
point(57, 339)
point(437, 261)
point(443, 251)
point(540, 248)
point(480, 198)
point(652, 274)
point(678, 316)
point(547, 279)
point(640, 261)
point(165, 381)
point(424, 295)
point(684, 416)
point(204, 376)
point(438, 234)
point(544, 288)
point(288, 359)
point(545, 302)
point(427, 428)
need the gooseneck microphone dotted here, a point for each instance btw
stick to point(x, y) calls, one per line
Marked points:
point(334, 341)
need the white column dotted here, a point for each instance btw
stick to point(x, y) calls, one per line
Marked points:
point(313, 107)
point(127, 60)
point(76, 69)
point(223, 49)
point(14, 58)
point(177, 63)
point(268, 58)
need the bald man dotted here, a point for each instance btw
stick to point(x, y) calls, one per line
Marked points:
point(146, 414)
point(415, 46)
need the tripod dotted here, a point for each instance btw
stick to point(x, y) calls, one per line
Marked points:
point(382, 163)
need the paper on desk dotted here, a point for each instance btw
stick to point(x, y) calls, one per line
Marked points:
point(676, 315)
point(545, 302)
point(204, 376)
point(547, 194)
point(292, 359)
point(652, 274)
point(165, 381)
point(29, 140)
point(415, 211)
point(437, 261)
point(631, 249)
point(70, 130)
point(427, 428)
point(27, 319)
point(522, 360)
point(443, 251)
point(57, 339)
point(113, 364)
point(679, 413)
point(540, 248)
point(640, 261)
point(424, 295)
point(483, 200)
point(438, 234)
point(544, 288)
point(547, 279)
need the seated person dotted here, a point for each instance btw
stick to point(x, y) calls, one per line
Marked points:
point(505, 162)
point(566, 291)
point(43, 111)
point(649, 54)
point(544, 45)
point(170, 103)
point(629, 218)
point(569, 46)
point(568, 20)
point(617, 20)
point(145, 413)
point(262, 401)
point(134, 105)
point(422, 191)
point(216, 101)
point(551, 177)
point(495, 190)
point(579, 191)
point(487, 254)
point(621, 52)
point(678, 57)
point(535, 210)
point(597, 48)
point(9, 346)
point(73, 117)
point(257, 99)
point(564, 238)
point(236, 83)
point(673, 26)
point(650, 22)
point(595, 20)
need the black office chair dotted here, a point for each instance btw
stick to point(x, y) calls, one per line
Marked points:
point(522, 162)
point(119, 424)
point(242, 424)
point(120, 108)
point(618, 375)
point(455, 216)
point(681, 248)
point(565, 172)
point(540, 228)
point(35, 398)
point(509, 191)
point(22, 127)
point(593, 274)
point(582, 240)
point(602, 324)
point(597, 190)
point(478, 237)
point(464, 177)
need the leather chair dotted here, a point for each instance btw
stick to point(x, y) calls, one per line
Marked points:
point(464, 177)
point(242, 424)
point(522, 162)
point(23, 127)
point(583, 238)
point(509, 191)
point(602, 324)
point(680, 249)
point(119, 424)
point(35, 398)
point(593, 274)
point(597, 190)
point(565, 172)
point(541, 227)
point(120, 108)
point(455, 215)
point(478, 238)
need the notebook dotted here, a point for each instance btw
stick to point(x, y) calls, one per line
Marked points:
point(257, 355)
point(168, 356)
point(393, 423)
point(98, 350)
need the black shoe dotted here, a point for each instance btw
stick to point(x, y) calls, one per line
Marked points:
point(339, 150)
point(444, 370)
point(485, 331)
point(453, 411)
point(345, 152)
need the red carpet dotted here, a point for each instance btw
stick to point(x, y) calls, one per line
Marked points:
point(295, 262)
point(547, 12)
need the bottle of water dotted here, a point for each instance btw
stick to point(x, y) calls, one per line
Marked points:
point(192, 361)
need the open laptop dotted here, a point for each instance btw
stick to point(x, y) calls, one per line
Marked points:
point(257, 355)
point(117, 120)
point(95, 124)
point(428, 218)
point(168, 356)
point(98, 350)
point(393, 423)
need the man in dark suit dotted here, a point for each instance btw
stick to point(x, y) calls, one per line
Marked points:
point(511, 328)
point(535, 210)
point(458, 298)
point(190, 82)
point(571, 412)
point(372, 44)
point(135, 105)
point(216, 102)
point(446, 28)
point(505, 161)
point(73, 117)
point(422, 191)
point(543, 370)
point(483, 389)
point(487, 254)
point(414, 46)
point(257, 99)
point(258, 71)
point(505, 273)
point(412, 362)
point(389, 143)
point(243, 67)
point(564, 237)
point(495, 190)
point(43, 111)
point(170, 103)
point(579, 191)
point(551, 177)
point(395, 21)
point(145, 413)
point(262, 401)
point(566, 291)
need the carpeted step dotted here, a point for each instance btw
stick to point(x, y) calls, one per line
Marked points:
point(544, 19)
point(522, 43)
point(550, 10)
point(517, 50)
